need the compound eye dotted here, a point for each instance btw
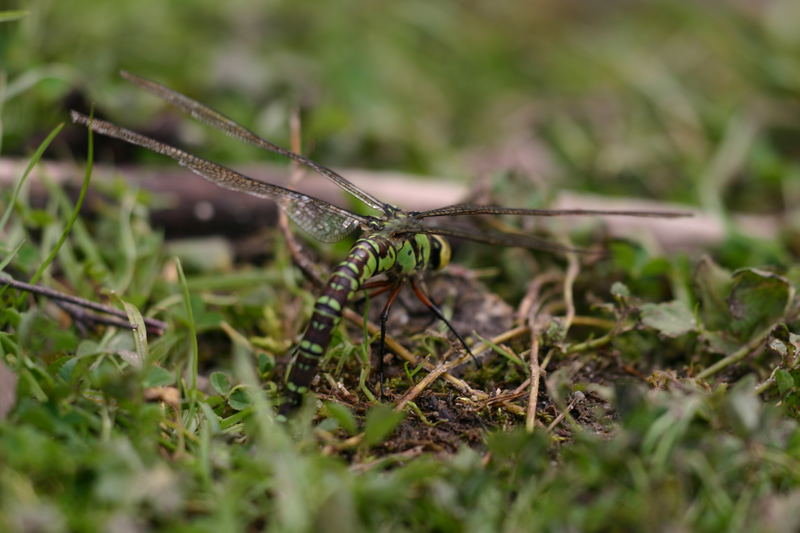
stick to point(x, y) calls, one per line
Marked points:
point(440, 252)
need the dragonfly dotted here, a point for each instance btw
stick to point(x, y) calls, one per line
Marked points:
point(399, 244)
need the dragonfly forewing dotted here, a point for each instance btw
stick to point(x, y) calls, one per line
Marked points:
point(217, 120)
point(321, 219)
point(468, 209)
point(497, 238)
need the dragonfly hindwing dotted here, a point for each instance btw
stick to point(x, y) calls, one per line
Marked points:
point(320, 222)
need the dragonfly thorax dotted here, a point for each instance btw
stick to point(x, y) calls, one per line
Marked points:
point(414, 253)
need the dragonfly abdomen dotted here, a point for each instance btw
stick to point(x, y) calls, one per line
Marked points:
point(368, 257)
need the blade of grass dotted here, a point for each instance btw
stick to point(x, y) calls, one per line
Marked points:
point(87, 177)
point(33, 76)
point(7, 16)
point(127, 243)
point(514, 358)
point(81, 238)
point(231, 281)
point(37, 155)
point(11, 254)
point(194, 350)
point(140, 333)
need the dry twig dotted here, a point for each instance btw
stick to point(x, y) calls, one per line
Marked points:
point(74, 303)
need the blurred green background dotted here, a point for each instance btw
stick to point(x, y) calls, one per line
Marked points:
point(689, 101)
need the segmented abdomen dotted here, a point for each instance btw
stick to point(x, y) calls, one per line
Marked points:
point(367, 257)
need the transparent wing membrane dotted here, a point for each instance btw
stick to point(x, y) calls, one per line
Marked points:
point(467, 209)
point(219, 121)
point(504, 239)
point(322, 220)
point(318, 221)
point(319, 218)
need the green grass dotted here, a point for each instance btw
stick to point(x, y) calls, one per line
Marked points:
point(669, 402)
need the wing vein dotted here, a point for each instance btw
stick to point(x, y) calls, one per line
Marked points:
point(229, 126)
point(321, 219)
point(467, 209)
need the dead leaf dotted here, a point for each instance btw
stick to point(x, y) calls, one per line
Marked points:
point(169, 395)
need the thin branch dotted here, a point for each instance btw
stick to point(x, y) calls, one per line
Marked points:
point(530, 417)
point(153, 326)
point(82, 316)
point(562, 414)
point(298, 253)
point(573, 268)
point(738, 355)
point(423, 384)
point(531, 297)
point(599, 342)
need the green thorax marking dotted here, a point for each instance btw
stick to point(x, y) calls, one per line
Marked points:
point(403, 255)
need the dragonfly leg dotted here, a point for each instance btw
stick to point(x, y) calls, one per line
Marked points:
point(377, 284)
point(395, 288)
point(380, 287)
point(438, 312)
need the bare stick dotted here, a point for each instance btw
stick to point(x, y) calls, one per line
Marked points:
point(154, 326)
point(424, 383)
point(561, 415)
point(536, 373)
point(82, 316)
point(296, 250)
point(573, 268)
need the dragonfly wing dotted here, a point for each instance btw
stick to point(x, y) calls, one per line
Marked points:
point(504, 239)
point(467, 209)
point(218, 120)
point(321, 219)
point(320, 222)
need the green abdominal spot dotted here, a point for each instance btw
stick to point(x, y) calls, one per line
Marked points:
point(293, 387)
point(330, 302)
point(311, 348)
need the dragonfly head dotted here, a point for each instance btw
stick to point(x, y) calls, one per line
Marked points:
point(440, 252)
